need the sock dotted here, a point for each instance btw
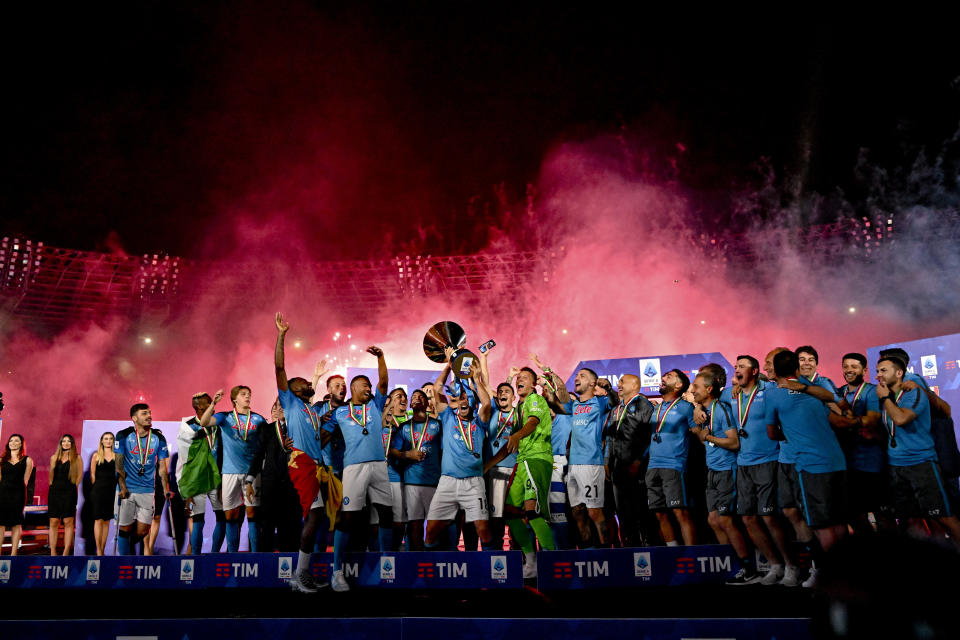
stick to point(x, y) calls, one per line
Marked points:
point(233, 536)
point(253, 534)
point(544, 534)
point(520, 535)
point(219, 531)
point(196, 538)
point(747, 564)
point(340, 541)
point(303, 562)
point(123, 543)
point(673, 543)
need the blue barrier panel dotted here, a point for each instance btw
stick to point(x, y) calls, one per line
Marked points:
point(650, 566)
point(402, 570)
point(415, 628)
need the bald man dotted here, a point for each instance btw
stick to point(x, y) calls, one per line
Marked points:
point(628, 430)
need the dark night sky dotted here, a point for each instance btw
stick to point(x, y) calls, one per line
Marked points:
point(153, 119)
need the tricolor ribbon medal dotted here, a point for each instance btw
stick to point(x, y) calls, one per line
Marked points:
point(467, 440)
point(890, 423)
point(663, 418)
point(502, 426)
point(144, 450)
point(244, 429)
point(418, 443)
point(314, 419)
point(363, 414)
point(743, 412)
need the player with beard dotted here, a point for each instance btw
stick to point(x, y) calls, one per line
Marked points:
point(279, 512)
point(820, 464)
point(463, 433)
point(867, 458)
point(190, 430)
point(666, 491)
point(420, 444)
point(332, 450)
point(394, 418)
point(757, 471)
point(530, 487)
point(586, 475)
point(304, 427)
point(240, 429)
point(368, 446)
point(138, 451)
point(914, 471)
point(719, 434)
point(628, 430)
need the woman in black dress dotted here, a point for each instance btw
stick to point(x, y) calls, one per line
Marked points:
point(15, 469)
point(66, 470)
point(103, 475)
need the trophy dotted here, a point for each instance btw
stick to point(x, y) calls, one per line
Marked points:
point(449, 334)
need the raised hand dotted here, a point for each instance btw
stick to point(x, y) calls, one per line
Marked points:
point(218, 396)
point(536, 360)
point(514, 371)
point(282, 325)
point(320, 369)
point(376, 352)
point(448, 352)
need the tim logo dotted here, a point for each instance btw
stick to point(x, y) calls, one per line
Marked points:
point(929, 366)
point(708, 564)
point(441, 569)
point(93, 570)
point(498, 568)
point(4, 570)
point(50, 572)
point(686, 565)
point(236, 569)
point(285, 568)
point(388, 568)
point(350, 570)
point(34, 572)
point(186, 571)
point(584, 569)
point(641, 565)
point(142, 572)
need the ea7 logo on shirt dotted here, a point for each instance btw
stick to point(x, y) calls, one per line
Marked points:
point(388, 568)
point(186, 571)
point(284, 567)
point(93, 570)
point(498, 568)
point(641, 565)
point(236, 569)
point(4, 570)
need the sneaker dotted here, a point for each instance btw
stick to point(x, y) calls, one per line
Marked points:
point(774, 575)
point(791, 577)
point(303, 582)
point(530, 565)
point(339, 583)
point(811, 581)
point(743, 577)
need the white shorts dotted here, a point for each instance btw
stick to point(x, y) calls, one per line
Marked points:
point(317, 502)
point(199, 505)
point(585, 485)
point(366, 482)
point(558, 490)
point(498, 485)
point(417, 499)
point(234, 494)
point(139, 507)
point(398, 505)
point(454, 494)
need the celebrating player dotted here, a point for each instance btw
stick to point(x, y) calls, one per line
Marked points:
point(421, 449)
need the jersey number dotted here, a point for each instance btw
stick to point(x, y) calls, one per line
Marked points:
point(595, 491)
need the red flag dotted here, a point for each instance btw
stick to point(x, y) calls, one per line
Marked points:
point(303, 474)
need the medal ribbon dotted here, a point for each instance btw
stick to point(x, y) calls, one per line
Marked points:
point(209, 435)
point(413, 433)
point(467, 442)
point(279, 434)
point(144, 449)
point(501, 425)
point(244, 429)
point(623, 411)
point(744, 413)
point(363, 413)
point(314, 419)
point(386, 440)
point(890, 423)
point(663, 418)
point(857, 394)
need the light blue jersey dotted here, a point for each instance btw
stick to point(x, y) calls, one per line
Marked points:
point(141, 455)
point(586, 436)
point(462, 443)
point(669, 446)
point(804, 421)
point(749, 411)
point(353, 420)
point(240, 439)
